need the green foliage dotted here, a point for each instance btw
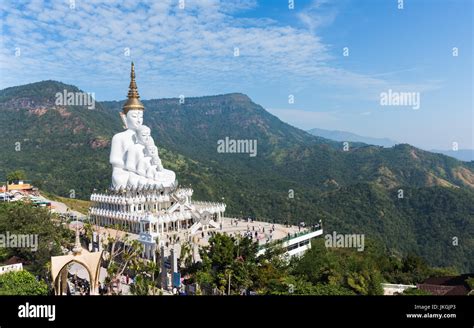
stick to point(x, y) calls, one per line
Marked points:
point(21, 283)
point(365, 282)
point(140, 286)
point(61, 149)
point(470, 282)
point(331, 290)
point(416, 267)
point(227, 256)
point(23, 219)
point(424, 222)
point(362, 273)
point(16, 175)
point(123, 254)
point(146, 273)
point(320, 271)
point(204, 278)
point(221, 251)
point(349, 269)
point(415, 292)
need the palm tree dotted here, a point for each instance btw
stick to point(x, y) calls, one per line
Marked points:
point(145, 283)
point(185, 255)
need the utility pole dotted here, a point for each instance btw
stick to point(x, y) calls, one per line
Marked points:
point(228, 288)
point(5, 191)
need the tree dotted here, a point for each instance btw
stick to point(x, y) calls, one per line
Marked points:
point(227, 259)
point(246, 249)
point(140, 286)
point(241, 274)
point(365, 282)
point(16, 175)
point(39, 226)
point(21, 283)
point(121, 254)
point(414, 269)
point(186, 254)
point(470, 282)
point(221, 251)
point(321, 265)
point(204, 279)
point(145, 282)
point(415, 291)
point(320, 271)
point(88, 231)
point(327, 289)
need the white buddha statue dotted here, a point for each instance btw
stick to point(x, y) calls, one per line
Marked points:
point(151, 169)
point(120, 143)
point(133, 155)
point(155, 167)
point(132, 116)
point(160, 174)
point(145, 163)
point(136, 152)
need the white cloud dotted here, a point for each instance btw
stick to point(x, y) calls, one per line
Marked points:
point(318, 14)
point(175, 49)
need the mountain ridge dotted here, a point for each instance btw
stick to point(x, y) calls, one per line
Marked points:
point(343, 136)
point(465, 155)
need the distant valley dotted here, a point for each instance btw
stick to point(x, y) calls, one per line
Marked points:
point(465, 155)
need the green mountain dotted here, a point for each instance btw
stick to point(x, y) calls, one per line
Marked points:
point(353, 190)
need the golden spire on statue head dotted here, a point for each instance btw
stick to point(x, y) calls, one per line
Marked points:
point(133, 102)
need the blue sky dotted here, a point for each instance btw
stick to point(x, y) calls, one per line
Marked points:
point(282, 52)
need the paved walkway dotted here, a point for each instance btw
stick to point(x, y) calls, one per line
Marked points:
point(264, 230)
point(62, 208)
point(261, 232)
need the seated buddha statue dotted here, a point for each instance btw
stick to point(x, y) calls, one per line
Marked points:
point(133, 155)
point(132, 117)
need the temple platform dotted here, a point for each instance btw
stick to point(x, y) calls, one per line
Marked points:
point(294, 239)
